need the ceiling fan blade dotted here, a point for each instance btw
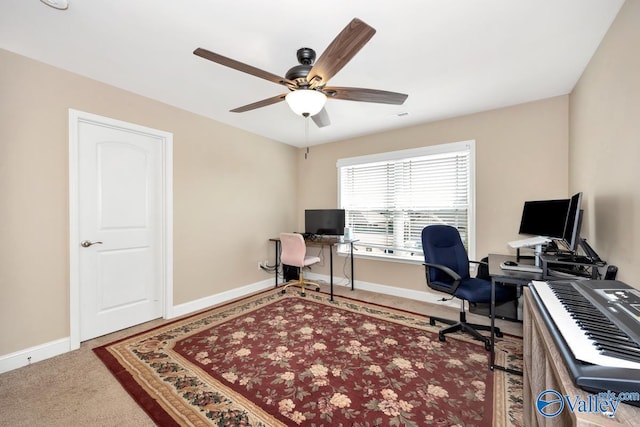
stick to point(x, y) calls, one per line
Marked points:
point(259, 104)
point(344, 47)
point(237, 65)
point(365, 95)
point(321, 119)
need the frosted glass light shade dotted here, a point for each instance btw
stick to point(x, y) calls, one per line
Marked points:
point(57, 4)
point(306, 101)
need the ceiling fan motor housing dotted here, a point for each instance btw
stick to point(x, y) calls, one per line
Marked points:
point(306, 57)
point(298, 72)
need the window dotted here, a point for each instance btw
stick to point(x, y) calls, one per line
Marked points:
point(390, 197)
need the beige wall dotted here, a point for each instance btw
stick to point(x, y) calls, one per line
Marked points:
point(228, 192)
point(521, 153)
point(605, 145)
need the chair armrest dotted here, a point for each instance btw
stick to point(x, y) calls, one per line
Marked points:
point(444, 268)
point(455, 276)
point(479, 262)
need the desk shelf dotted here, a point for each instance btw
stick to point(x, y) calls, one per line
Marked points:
point(551, 262)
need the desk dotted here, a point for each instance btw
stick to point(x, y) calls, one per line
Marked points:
point(506, 277)
point(331, 242)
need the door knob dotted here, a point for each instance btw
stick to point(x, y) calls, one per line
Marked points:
point(86, 243)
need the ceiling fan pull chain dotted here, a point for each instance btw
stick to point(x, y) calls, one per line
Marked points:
point(306, 135)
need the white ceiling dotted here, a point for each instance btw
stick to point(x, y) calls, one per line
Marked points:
point(453, 57)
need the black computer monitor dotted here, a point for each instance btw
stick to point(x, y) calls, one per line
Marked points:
point(571, 234)
point(324, 221)
point(544, 218)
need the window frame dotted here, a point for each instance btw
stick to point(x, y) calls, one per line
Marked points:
point(407, 154)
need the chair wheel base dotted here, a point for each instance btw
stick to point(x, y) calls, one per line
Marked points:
point(463, 326)
point(284, 291)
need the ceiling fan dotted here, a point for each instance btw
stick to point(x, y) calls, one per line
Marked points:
point(307, 81)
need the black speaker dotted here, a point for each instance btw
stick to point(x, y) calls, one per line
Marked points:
point(507, 310)
point(612, 272)
point(483, 269)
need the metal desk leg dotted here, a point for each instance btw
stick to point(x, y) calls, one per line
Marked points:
point(352, 276)
point(277, 258)
point(276, 261)
point(331, 271)
point(492, 313)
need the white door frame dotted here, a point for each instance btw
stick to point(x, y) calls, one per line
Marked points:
point(75, 118)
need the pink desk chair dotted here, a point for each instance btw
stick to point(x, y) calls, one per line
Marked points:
point(294, 253)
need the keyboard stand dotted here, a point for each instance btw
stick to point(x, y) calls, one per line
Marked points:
point(527, 268)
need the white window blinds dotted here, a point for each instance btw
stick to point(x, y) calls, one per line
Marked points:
point(389, 198)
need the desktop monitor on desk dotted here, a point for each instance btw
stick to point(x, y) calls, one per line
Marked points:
point(544, 218)
point(324, 222)
point(571, 236)
point(560, 221)
point(571, 233)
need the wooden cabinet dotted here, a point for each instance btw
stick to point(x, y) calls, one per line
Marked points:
point(544, 369)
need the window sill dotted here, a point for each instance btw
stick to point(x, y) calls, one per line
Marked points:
point(360, 254)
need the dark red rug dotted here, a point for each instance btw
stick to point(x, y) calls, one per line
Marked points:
point(271, 360)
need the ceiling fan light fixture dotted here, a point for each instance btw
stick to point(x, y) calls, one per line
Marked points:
point(306, 102)
point(57, 4)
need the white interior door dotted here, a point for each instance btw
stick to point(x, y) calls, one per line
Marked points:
point(120, 238)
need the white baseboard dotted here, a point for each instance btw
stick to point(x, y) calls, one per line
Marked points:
point(426, 295)
point(210, 301)
point(9, 362)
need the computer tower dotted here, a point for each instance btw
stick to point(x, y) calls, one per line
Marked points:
point(289, 272)
point(507, 310)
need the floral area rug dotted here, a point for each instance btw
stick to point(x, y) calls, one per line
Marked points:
point(283, 360)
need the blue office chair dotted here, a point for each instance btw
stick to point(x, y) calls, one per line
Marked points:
point(447, 270)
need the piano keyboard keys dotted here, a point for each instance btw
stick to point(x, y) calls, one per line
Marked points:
point(585, 329)
point(597, 332)
point(606, 336)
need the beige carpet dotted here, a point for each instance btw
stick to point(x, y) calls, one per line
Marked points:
point(76, 388)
